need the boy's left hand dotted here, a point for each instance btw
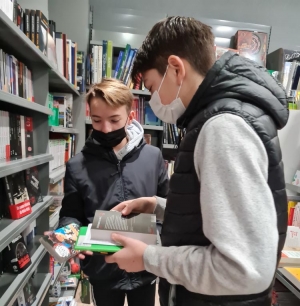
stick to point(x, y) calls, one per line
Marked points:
point(130, 258)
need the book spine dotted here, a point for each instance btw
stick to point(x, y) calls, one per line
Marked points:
point(32, 21)
point(29, 136)
point(19, 137)
point(128, 76)
point(100, 52)
point(104, 58)
point(109, 59)
point(23, 139)
point(37, 27)
point(118, 63)
point(27, 24)
point(9, 191)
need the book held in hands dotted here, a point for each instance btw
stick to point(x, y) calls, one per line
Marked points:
point(137, 226)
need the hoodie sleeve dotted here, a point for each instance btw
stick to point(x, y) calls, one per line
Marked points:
point(163, 179)
point(72, 210)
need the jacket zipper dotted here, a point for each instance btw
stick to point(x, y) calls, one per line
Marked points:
point(121, 177)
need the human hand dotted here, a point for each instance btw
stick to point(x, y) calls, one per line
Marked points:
point(140, 205)
point(82, 254)
point(131, 257)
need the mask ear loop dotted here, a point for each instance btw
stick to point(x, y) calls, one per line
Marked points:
point(179, 89)
point(163, 79)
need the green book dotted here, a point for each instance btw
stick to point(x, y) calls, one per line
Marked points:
point(100, 248)
point(109, 59)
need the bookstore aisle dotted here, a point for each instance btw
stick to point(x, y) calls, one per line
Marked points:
point(48, 61)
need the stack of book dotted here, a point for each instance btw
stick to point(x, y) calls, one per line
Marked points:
point(15, 77)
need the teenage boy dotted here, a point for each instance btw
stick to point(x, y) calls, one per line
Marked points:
point(115, 165)
point(225, 219)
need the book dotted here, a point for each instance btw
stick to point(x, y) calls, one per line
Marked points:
point(60, 242)
point(33, 28)
point(82, 245)
point(252, 45)
point(109, 59)
point(41, 31)
point(137, 226)
point(17, 195)
point(27, 295)
point(33, 185)
point(16, 257)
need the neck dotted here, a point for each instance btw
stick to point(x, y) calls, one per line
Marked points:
point(121, 145)
point(190, 90)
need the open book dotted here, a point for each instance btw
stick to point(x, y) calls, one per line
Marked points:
point(97, 236)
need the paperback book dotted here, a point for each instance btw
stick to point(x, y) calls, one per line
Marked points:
point(137, 226)
point(60, 242)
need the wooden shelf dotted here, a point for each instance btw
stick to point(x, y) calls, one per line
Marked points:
point(153, 127)
point(57, 174)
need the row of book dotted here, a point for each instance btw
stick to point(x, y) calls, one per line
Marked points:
point(15, 77)
point(16, 136)
point(62, 147)
point(102, 63)
point(61, 105)
point(171, 133)
point(61, 51)
point(19, 192)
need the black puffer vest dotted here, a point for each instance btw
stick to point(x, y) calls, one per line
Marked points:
point(237, 86)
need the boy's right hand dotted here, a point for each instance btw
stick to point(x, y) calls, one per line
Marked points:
point(144, 205)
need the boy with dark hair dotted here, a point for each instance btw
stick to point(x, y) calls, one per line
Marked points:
point(225, 218)
point(115, 165)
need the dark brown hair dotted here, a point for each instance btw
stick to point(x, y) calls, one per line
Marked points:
point(113, 92)
point(185, 37)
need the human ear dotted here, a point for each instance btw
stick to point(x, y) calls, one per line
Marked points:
point(131, 116)
point(177, 64)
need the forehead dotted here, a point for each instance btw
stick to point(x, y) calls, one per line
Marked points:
point(99, 105)
point(150, 75)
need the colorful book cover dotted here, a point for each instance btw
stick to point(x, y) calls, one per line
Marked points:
point(127, 65)
point(60, 242)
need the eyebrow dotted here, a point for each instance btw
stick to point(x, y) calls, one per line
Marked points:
point(113, 116)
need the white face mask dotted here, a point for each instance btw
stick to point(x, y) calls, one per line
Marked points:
point(168, 113)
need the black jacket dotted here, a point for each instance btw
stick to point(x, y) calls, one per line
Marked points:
point(237, 86)
point(94, 180)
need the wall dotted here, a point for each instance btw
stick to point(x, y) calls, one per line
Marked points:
point(137, 16)
point(37, 5)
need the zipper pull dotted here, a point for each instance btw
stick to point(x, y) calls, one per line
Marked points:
point(118, 170)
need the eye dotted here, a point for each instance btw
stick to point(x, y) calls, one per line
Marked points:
point(96, 121)
point(115, 121)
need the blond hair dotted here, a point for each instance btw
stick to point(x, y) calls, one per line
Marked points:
point(113, 92)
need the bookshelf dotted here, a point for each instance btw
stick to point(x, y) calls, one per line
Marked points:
point(59, 129)
point(41, 284)
point(45, 78)
point(11, 284)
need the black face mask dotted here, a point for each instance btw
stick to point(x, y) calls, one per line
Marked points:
point(111, 139)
